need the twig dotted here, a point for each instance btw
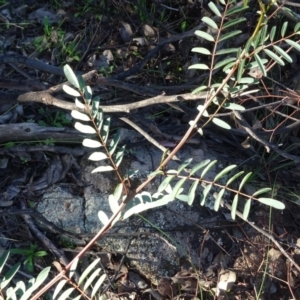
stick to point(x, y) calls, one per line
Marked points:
point(36, 215)
point(135, 69)
point(74, 151)
point(147, 136)
point(269, 236)
point(46, 242)
point(267, 145)
point(46, 98)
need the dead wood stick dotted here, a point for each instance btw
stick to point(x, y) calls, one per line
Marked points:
point(28, 131)
point(46, 98)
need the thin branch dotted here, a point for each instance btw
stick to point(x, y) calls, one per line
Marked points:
point(267, 145)
point(269, 236)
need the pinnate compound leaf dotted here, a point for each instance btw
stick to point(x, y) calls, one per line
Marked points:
point(70, 75)
point(228, 67)
point(81, 82)
point(79, 116)
point(95, 105)
point(169, 189)
point(99, 119)
point(272, 202)
point(284, 28)
point(201, 108)
point(236, 10)
point(120, 155)
point(58, 288)
point(224, 172)
point(36, 283)
point(199, 66)
point(172, 172)
point(260, 64)
point(20, 286)
point(274, 56)
point(234, 206)
point(91, 279)
point(199, 166)
point(113, 202)
point(230, 34)
point(233, 22)
point(178, 187)
point(293, 44)
point(210, 22)
point(218, 200)
point(9, 275)
point(66, 293)
point(247, 80)
point(70, 91)
point(272, 33)
point(114, 142)
point(144, 197)
point(262, 191)
point(73, 267)
point(221, 123)
point(3, 259)
point(165, 183)
point(103, 217)
point(201, 50)
point(184, 165)
point(199, 89)
point(254, 64)
point(10, 294)
point(233, 106)
point(241, 70)
point(88, 270)
point(224, 62)
point(249, 92)
point(103, 169)
point(131, 173)
point(297, 27)
point(204, 35)
point(97, 156)
point(214, 9)
point(183, 198)
point(208, 167)
point(247, 208)
point(105, 129)
point(155, 173)
point(84, 128)
point(227, 51)
point(88, 93)
point(192, 192)
point(263, 35)
point(149, 205)
point(234, 177)
point(91, 143)
point(43, 275)
point(79, 104)
point(204, 194)
point(283, 54)
point(118, 192)
point(238, 89)
point(244, 180)
point(20, 289)
point(98, 285)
